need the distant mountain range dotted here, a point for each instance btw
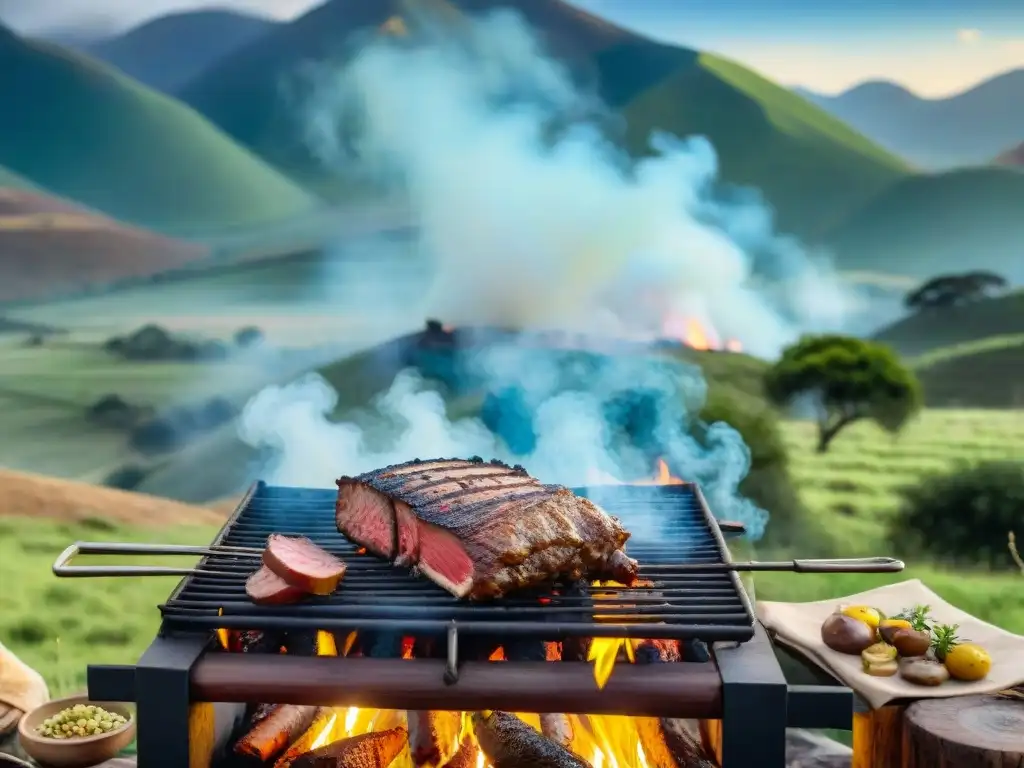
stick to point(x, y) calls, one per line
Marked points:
point(225, 149)
point(969, 128)
point(76, 128)
point(167, 52)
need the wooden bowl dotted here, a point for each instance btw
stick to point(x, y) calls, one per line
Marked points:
point(79, 752)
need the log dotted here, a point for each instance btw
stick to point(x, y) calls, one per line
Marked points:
point(964, 732)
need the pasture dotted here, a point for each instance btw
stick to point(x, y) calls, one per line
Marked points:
point(855, 483)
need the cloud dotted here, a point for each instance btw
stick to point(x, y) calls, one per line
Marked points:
point(968, 36)
point(1015, 47)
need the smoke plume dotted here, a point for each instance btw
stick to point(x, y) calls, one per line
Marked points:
point(531, 218)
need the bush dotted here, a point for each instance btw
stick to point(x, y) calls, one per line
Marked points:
point(963, 516)
point(248, 336)
point(127, 478)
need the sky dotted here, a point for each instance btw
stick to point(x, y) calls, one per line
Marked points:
point(933, 47)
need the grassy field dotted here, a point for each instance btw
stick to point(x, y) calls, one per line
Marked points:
point(86, 620)
point(95, 136)
point(855, 483)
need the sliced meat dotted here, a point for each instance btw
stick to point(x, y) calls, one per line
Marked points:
point(303, 564)
point(367, 517)
point(481, 529)
point(265, 587)
point(433, 736)
point(369, 750)
point(508, 742)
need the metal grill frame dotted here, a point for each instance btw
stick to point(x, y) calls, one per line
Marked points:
point(184, 720)
point(718, 609)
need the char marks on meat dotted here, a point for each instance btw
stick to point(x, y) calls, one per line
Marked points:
point(480, 529)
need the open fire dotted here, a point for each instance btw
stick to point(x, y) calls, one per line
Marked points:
point(306, 736)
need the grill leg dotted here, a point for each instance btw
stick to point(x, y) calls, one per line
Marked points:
point(754, 698)
point(162, 700)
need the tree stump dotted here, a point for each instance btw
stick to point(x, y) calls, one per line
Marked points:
point(964, 732)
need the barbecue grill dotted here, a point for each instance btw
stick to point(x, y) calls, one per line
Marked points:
point(691, 592)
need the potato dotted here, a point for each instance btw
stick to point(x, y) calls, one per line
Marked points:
point(846, 635)
point(911, 642)
point(922, 671)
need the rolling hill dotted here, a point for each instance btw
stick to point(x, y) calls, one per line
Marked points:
point(50, 247)
point(87, 133)
point(987, 373)
point(969, 128)
point(67, 501)
point(928, 224)
point(926, 332)
point(768, 137)
point(168, 51)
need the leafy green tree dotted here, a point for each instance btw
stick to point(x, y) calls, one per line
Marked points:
point(954, 290)
point(847, 380)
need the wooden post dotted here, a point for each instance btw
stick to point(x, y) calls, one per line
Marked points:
point(878, 737)
point(964, 732)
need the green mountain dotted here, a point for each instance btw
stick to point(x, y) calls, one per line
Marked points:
point(928, 224)
point(88, 133)
point(812, 167)
point(922, 333)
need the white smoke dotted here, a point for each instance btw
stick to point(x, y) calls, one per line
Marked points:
point(532, 219)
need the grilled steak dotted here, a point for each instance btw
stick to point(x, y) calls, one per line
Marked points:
point(480, 529)
point(265, 587)
point(303, 564)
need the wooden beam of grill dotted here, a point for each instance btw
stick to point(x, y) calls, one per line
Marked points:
point(686, 690)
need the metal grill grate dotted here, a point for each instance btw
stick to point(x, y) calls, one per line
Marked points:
point(673, 532)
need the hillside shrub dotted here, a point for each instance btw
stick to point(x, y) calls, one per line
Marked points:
point(962, 516)
point(126, 478)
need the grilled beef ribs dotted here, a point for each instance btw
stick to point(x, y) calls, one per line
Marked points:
point(265, 587)
point(303, 564)
point(480, 529)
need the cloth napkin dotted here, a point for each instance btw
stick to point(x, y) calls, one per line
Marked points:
point(798, 625)
point(22, 689)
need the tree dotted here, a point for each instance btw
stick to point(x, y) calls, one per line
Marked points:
point(848, 380)
point(954, 290)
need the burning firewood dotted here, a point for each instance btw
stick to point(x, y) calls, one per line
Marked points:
point(433, 736)
point(553, 725)
point(667, 742)
point(508, 742)
point(275, 732)
point(306, 742)
point(576, 648)
point(465, 756)
point(369, 750)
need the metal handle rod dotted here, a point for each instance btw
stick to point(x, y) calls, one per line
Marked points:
point(62, 567)
point(838, 565)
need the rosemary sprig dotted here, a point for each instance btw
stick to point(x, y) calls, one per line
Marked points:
point(944, 639)
point(919, 617)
